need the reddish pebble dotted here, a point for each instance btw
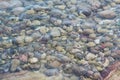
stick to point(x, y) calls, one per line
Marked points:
point(23, 58)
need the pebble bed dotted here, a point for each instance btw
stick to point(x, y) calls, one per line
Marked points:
point(76, 39)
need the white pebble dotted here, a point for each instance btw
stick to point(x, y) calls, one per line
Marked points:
point(33, 60)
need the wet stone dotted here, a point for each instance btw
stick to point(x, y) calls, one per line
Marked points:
point(4, 4)
point(107, 14)
point(53, 64)
point(56, 12)
point(28, 39)
point(90, 56)
point(86, 12)
point(34, 66)
point(14, 64)
point(37, 55)
point(33, 60)
point(4, 56)
point(91, 44)
point(51, 72)
point(18, 10)
point(55, 32)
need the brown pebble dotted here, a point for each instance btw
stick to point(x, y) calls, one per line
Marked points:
point(107, 14)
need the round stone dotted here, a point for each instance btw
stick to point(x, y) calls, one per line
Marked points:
point(33, 60)
point(91, 44)
point(20, 39)
point(88, 31)
point(35, 23)
point(55, 32)
point(43, 56)
point(93, 36)
point(30, 11)
point(34, 66)
point(90, 56)
point(14, 64)
point(54, 64)
point(18, 10)
point(96, 75)
point(28, 39)
point(97, 41)
point(4, 4)
point(4, 56)
point(51, 72)
point(107, 14)
point(43, 29)
point(117, 1)
point(109, 44)
point(59, 48)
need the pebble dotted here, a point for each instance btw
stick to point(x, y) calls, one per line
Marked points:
point(35, 23)
point(117, 1)
point(51, 72)
point(99, 68)
point(106, 63)
point(67, 68)
point(7, 43)
point(54, 64)
point(43, 29)
point(15, 3)
point(59, 48)
point(69, 29)
point(30, 12)
point(33, 60)
point(40, 8)
point(18, 10)
point(107, 14)
point(86, 12)
point(75, 51)
point(12, 3)
point(30, 54)
point(34, 66)
point(97, 75)
point(73, 78)
point(43, 56)
point(100, 30)
point(37, 55)
point(36, 35)
point(79, 56)
point(4, 5)
point(4, 56)
point(90, 56)
point(56, 12)
point(93, 36)
point(97, 41)
point(62, 58)
point(14, 64)
point(20, 39)
point(55, 21)
point(55, 32)
point(108, 44)
point(23, 57)
point(62, 7)
point(91, 44)
point(36, 46)
point(89, 31)
point(28, 39)
point(77, 70)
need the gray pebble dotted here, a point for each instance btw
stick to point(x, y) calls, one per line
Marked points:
point(51, 72)
point(14, 64)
